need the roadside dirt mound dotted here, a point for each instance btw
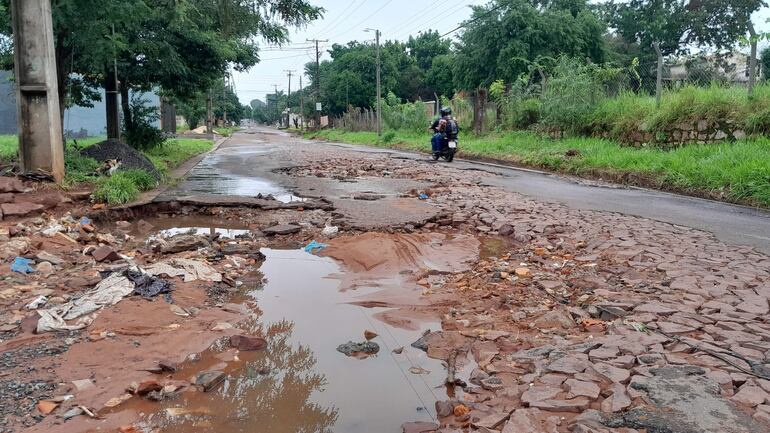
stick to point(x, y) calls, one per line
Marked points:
point(382, 254)
point(129, 157)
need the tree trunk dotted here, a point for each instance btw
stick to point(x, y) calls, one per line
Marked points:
point(659, 80)
point(752, 60)
point(111, 103)
point(125, 103)
point(479, 108)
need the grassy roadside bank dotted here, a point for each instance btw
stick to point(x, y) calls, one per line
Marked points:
point(125, 185)
point(737, 172)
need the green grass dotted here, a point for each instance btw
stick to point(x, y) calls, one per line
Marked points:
point(226, 131)
point(125, 185)
point(737, 172)
point(176, 151)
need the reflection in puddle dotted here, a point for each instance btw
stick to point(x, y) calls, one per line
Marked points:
point(301, 383)
point(222, 232)
point(210, 177)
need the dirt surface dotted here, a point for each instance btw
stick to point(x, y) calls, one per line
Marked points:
point(492, 311)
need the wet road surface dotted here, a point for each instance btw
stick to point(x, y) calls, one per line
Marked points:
point(245, 165)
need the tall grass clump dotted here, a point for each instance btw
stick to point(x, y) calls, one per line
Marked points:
point(623, 115)
point(404, 116)
point(570, 97)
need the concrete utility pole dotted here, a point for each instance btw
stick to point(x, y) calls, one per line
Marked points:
point(379, 91)
point(289, 72)
point(317, 80)
point(37, 95)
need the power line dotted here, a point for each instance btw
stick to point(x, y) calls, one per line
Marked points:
point(413, 18)
point(337, 20)
point(363, 20)
point(433, 21)
point(489, 12)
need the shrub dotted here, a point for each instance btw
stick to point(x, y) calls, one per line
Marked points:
point(389, 136)
point(142, 133)
point(404, 116)
point(143, 180)
point(570, 97)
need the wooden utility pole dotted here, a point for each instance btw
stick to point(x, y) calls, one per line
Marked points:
point(379, 91)
point(753, 40)
point(111, 95)
point(659, 78)
point(209, 112)
point(41, 145)
point(317, 81)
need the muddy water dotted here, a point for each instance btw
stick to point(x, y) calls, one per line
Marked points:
point(301, 383)
point(226, 172)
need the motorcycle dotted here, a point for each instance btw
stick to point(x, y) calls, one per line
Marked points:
point(448, 150)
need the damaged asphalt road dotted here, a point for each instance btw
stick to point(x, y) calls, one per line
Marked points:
point(491, 311)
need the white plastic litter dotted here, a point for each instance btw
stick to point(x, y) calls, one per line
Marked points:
point(37, 303)
point(188, 269)
point(330, 231)
point(108, 292)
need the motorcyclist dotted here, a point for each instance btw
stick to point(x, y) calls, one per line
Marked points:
point(439, 128)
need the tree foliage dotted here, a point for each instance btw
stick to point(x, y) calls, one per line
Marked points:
point(503, 35)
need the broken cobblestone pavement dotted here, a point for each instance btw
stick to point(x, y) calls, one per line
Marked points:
point(569, 321)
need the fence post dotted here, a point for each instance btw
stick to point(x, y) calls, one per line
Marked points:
point(752, 60)
point(659, 81)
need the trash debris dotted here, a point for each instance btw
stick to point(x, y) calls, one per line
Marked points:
point(85, 221)
point(72, 413)
point(423, 196)
point(353, 349)
point(314, 247)
point(108, 292)
point(188, 269)
point(22, 266)
point(418, 370)
point(37, 303)
point(330, 231)
point(148, 286)
point(369, 334)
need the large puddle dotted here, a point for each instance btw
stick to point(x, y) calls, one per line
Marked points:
point(228, 172)
point(301, 383)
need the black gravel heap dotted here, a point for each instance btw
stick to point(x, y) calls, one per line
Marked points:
point(129, 157)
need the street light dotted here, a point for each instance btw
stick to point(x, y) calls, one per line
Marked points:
point(379, 93)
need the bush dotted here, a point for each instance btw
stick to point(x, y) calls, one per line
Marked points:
point(570, 97)
point(143, 180)
point(404, 116)
point(142, 134)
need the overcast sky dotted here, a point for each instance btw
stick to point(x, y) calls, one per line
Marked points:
point(345, 20)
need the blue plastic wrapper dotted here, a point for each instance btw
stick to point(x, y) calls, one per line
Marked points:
point(22, 265)
point(314, 247)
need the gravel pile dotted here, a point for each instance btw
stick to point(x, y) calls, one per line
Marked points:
point(129, 157)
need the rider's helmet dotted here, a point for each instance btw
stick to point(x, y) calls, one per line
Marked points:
point(446, 111)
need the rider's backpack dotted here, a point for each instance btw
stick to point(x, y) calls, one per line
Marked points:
point(452, 130)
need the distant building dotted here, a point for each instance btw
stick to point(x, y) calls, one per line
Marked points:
point(78, 121)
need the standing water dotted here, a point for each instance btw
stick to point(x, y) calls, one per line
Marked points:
point(301, 383)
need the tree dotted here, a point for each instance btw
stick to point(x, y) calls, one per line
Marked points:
point(181, 46)
point(502, 37)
